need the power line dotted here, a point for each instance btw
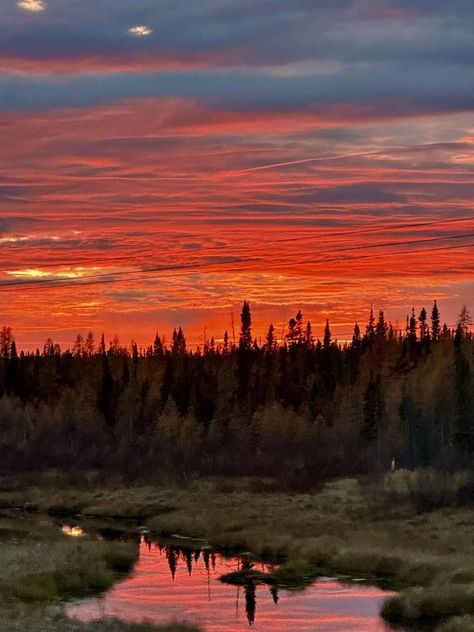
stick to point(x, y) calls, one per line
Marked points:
point(240, 248)
point(112, 278)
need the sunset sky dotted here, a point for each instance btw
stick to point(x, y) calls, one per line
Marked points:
point(161, 161)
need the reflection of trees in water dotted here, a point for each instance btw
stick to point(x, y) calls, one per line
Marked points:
point(172, 555)
point(206, 556)
point(274, 594)
point(190, 556)
point(250, 602)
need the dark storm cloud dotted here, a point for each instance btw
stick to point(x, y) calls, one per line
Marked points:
point(270, 51)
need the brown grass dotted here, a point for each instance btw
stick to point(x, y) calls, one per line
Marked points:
point(457, 624)
point(19, 618)
point(374, 530)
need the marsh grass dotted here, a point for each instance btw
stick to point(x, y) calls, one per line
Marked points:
point(21, 618)
point(420, 605)
point(428, 489)
point(370, 529)
point(39, 565)
point(457, 624)
point(44, 565)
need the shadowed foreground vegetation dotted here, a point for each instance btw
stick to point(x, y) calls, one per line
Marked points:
point(39, 566)
point(242, 443)
point(20, 619)
point(379, 530)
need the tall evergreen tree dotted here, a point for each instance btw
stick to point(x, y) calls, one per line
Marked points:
point(225, 344)
point(178, 342)
point(435, 322)
point(78, 348)
point(464, 321)
point(270, 340)
point(327, 336)
point(356, 339)
point(370, 328)
point(381, 328)
point(89, 345)
point(424, 327)
point(412, 334)
point(101, 348)
point(157, 346)
point(6, 339)
point(245, 341)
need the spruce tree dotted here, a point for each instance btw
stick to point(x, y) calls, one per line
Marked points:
point(381, 328)
point(424, 328)
point(270, 340)
point(435, 322)
point(327, 336)
point(245, 341)
point(157, 346)
point(225, 345)
point(370, 328)
point(356, 339)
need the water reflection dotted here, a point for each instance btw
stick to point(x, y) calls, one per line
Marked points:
point(183, 583)
point(73, 531)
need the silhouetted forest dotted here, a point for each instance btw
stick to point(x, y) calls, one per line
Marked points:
point(300, 410)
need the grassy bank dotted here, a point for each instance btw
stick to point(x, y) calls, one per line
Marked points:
point(39, 566)
point(38, 563)
point(18, 618)
point(379, 530)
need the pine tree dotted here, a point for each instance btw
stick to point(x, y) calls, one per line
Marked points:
point(89, 345)
point(327, 336)
point(134, 353)
point(6, 339)
point(308, 337)
point(13, 351)
point(424, 328)
point(299, 327)
point(381, 328)
point(291, 335)
point(435, 322)
point(356, 339)
point(295, 334)
point(370, 328)
point(464, 321)
point(49, 348)
point(178, 346)
point(78, 347)
point(245, 341)
point(101, 348)
point(270, 340)
point(412, 327)
point(225, 345)
point(157, 346)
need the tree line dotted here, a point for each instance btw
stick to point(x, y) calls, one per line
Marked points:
point(298, 409)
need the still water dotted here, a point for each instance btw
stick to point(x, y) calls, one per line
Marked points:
point(173, 583)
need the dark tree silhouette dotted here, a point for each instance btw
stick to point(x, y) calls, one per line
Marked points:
point(245, 341)
point(435, 322)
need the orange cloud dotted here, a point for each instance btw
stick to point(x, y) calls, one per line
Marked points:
point(138, 216)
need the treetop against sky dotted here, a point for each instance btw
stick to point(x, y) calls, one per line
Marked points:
point(162, 161)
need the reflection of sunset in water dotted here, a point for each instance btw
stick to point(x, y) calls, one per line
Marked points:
point(179, 584)
point(73, 532)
